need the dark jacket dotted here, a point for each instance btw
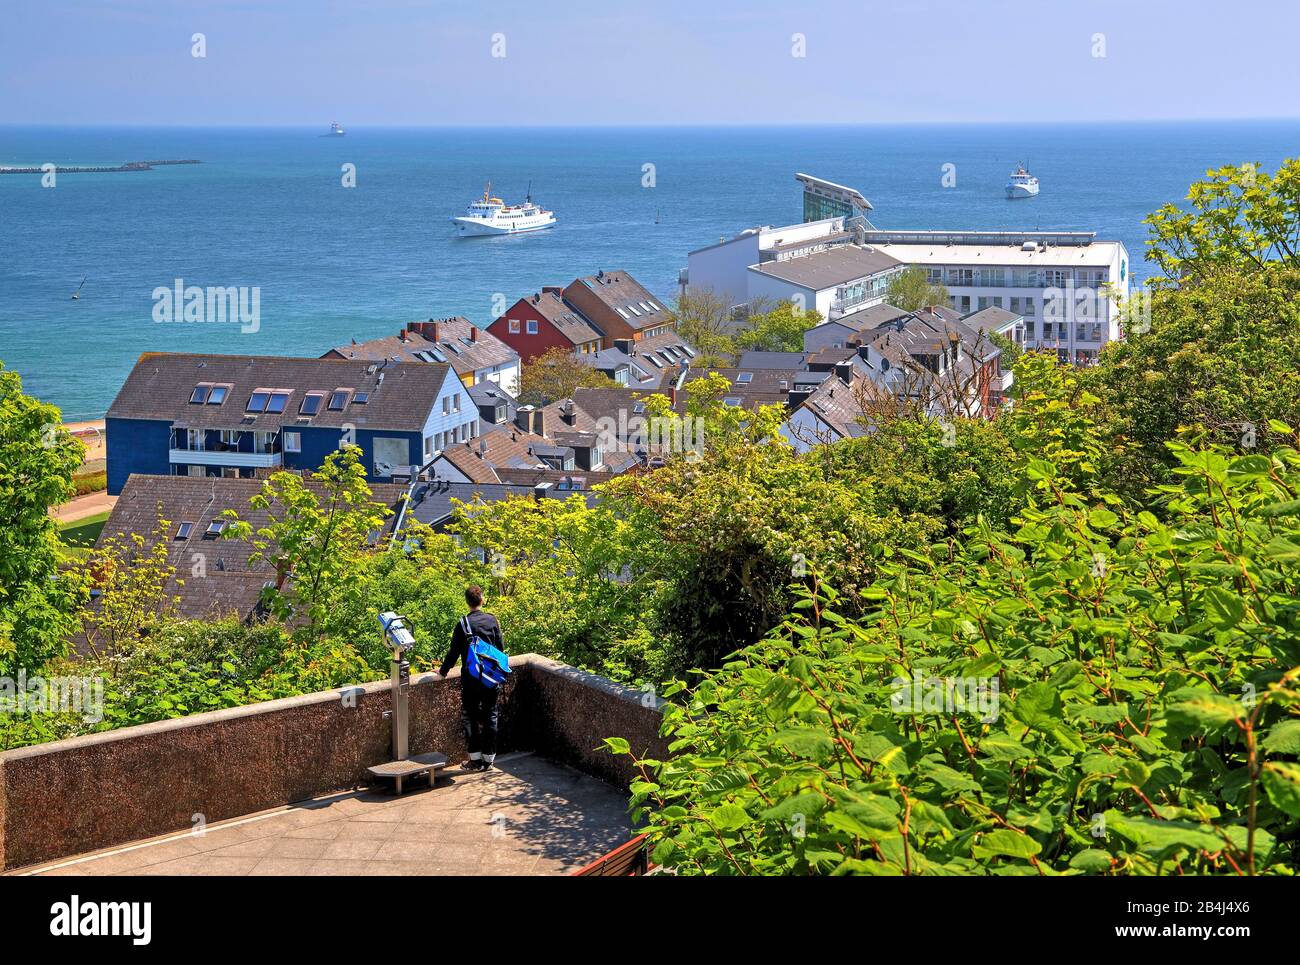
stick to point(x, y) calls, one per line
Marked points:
point(484, 625)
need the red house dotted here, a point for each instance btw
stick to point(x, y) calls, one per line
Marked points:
point(538, 323)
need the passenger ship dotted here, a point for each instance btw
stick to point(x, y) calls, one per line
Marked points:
point(492, 216)
point(1022, 184)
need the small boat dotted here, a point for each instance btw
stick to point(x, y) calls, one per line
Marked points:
point(76, 296)
point(336, 130)
point(492, 216)
point(1022, 184)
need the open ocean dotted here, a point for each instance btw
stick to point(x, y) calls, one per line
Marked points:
point(266, 208)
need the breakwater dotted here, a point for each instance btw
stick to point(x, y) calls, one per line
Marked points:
point(97, 169)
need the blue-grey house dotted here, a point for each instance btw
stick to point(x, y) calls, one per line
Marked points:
point(231, 415)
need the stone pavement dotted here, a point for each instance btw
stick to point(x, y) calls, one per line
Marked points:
point(528, 816)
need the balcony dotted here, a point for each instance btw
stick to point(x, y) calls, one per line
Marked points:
point(225, 457)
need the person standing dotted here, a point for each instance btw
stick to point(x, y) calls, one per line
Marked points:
point(478, 702)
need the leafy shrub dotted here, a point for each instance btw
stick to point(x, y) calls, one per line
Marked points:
point(1147, 683)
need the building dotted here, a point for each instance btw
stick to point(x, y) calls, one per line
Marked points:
point(824, 199)
point(501, 447)
point(237, 416)
point(759, 386)
point(829, 413)
point(228, 582)
point(1065, 285)
point(835, 282)
point(496, 406)
point(619, 307)
point(544, 321)
point(475, 354)
point(645, 364)
point(434, 502)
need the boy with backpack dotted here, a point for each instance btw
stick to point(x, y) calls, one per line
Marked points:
point(477, 641)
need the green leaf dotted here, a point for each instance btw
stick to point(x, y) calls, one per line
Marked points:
point(1009, 843)
point(1092, 861)
point(1205, 710)
point(1283, 738)
point(729, 817)
point(617, 745)
point(1282, 783)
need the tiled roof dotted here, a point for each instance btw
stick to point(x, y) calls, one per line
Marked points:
point(866, 318)
point(431, 502)
point(230, 583)
point(505, 447)
point(623, 294)
point(397, 396)
point(755, 387)
point(834, 403)
point(567, 320)
point(461, 344)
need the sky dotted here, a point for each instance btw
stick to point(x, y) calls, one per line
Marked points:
point(616, 63)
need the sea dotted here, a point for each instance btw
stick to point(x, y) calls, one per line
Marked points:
point(350, 237)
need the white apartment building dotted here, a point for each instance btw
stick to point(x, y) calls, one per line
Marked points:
point(1061, 283)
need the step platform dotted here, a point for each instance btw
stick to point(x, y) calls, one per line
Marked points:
point(415, 766)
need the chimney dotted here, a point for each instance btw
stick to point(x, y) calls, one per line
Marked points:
point(402, 335)
point(434, 326)
point(540, 491)
point(569, 413)
point(473, 333)
point(524, 417)
point(538, 427)
point(625, 345)
point(845, 371)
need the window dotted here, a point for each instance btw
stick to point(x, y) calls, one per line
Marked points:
point(278, 400)
point(215, 529)
point(655, 307)
point(311, 403)
point(218, 394)
point(361, 398)
point(455, 403)
point(339, 399)
point(514, 326)
point(257, 401)
point(200, 393)
point(633, 310)
point(623, 313)
point(744, 378)
point(532, 326)
point(183, 531)
point(292, 441)
point(428, 447)
point(732, 400)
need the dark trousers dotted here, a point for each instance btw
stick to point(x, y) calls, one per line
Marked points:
point(478, 716)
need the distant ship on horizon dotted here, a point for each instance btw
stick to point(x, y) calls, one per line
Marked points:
point(336, 130)
point(492, 216)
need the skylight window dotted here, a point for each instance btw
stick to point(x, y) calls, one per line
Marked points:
point(452, 347)
point(183, 530)
point(278, 400)
point(621, 312)
point(688, 350)
point(632, 308)
point(361, 398)
point(732, 400)
point(646, 306)
point(655, 362)
point(655, 307)
point(744, 378)
point(218, 394)
point(200, 393)
point(258, 400)
point(339, 399)
point(311, 403)
point(215, 529)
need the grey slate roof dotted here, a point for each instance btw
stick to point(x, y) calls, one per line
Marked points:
point(230, 583)
point(466, 347)
point(431, 502)
point(826, 269)
point(399, 396)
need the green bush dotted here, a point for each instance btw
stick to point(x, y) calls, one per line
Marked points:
point(1143, 678)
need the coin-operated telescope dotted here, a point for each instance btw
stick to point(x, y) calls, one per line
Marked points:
point(400, 640)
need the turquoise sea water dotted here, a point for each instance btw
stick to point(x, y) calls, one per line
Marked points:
point(266, 208)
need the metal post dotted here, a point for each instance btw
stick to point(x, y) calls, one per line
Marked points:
point(400, 675)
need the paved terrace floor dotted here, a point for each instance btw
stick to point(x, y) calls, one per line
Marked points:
point(528, 816)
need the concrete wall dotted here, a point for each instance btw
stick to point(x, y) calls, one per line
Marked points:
point(70, 797)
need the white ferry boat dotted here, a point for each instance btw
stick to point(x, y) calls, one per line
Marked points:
point(492, 216)
point(1022, 184)
point(336, 130)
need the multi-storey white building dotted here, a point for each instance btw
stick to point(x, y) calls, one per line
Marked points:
point(1066, 285)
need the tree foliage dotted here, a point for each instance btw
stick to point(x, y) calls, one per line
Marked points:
point(555, 374)
point(911, 290)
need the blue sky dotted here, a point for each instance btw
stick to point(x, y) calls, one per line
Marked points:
point(567, 62)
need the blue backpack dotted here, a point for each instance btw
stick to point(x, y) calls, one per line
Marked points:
point(484, 662)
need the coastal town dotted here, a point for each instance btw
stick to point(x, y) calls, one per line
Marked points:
point(433, 406)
